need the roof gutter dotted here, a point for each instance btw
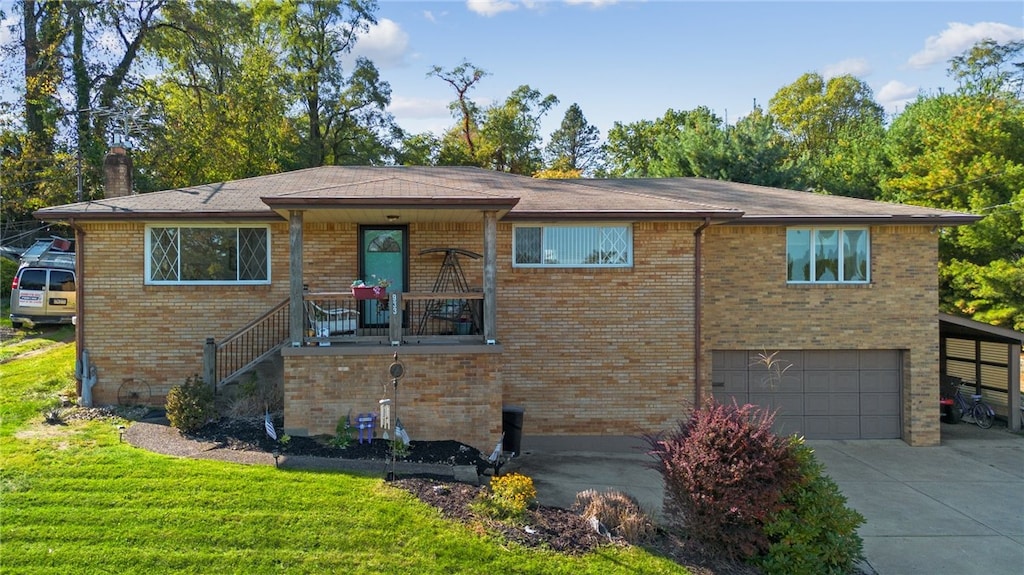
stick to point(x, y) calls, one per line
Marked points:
point(929, 220)
point(698, 241)
point(632, 215)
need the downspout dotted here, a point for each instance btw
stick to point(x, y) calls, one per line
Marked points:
point(85, 374)
point(698, 240)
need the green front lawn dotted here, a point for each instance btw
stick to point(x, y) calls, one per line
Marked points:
point(74, 499)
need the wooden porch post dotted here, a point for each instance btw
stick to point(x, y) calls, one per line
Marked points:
point(490, 276)
point(295, 308)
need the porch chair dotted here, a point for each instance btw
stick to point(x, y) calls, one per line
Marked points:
point(326, 322)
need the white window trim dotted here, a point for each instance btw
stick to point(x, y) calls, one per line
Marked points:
point(236, 226)
point(839, 280)
point(629, 231)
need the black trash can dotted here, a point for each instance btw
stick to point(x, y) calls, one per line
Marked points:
point(512, 427)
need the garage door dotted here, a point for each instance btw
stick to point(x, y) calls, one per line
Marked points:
point(823, 394)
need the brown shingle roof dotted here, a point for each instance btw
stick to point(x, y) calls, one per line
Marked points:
point(522, 197)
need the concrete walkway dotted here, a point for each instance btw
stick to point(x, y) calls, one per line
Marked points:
point(956, 509)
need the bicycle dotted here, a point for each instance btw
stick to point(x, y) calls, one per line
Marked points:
point(978, 412)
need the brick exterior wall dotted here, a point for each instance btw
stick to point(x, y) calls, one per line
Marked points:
point(584, 351)
point(443, 394)
point(155, 334)
point(749, 305)
point(601, 351)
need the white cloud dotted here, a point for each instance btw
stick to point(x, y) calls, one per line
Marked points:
point(419, 108)
point(858, 67)
point(895, 95)
point(490, 7)
point(959, 37)
point(593, 3)
point(494, 7)
point(385, 44)
point(429, 16)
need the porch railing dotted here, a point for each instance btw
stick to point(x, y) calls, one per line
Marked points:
point(337, 317)
point(246, 347)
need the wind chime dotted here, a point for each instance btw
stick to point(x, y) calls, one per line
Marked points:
point(389, 407)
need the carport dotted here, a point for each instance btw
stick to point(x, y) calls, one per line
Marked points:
point(987, 355)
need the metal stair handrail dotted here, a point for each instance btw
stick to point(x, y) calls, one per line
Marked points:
point(247, 347)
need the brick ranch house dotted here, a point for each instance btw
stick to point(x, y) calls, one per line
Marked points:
point(577, 301)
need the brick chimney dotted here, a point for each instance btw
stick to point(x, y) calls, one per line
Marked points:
point(117, 172)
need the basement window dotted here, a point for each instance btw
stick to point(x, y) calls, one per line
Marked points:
point(594, 246)
point(207, 255)
point(828, 255)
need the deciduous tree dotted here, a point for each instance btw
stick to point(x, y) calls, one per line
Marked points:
point(835, 126)
point(631, 148)
point(462, 79)
point(510, 133)
point(316, 34)
point(965, 151)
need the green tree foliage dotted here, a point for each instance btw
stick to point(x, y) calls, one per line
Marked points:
point(834, 126)
point(103, 78)
point(32, 178)
point(360, 131)
point(218, 106)
point(44, 32)
point(462, 79)
point(315, 35)
point(989, 68)
point(696, 148)
point(418, 150)
point(752, 152)
point(632, 148)
point(760, 155)
point(510, 132)
point(965, 152)
point(575, 145)
point(88, 50)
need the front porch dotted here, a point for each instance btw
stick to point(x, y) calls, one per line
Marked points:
point(340, 346)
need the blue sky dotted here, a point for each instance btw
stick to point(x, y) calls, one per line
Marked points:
point(627, 61)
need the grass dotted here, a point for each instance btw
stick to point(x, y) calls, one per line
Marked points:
point(25, 341)
point(74, 499)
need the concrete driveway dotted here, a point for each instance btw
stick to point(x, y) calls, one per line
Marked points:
point(955, 509)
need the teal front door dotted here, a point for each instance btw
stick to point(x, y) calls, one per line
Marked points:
point(383, 255)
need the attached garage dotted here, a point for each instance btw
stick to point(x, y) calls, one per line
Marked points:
point(819, 394)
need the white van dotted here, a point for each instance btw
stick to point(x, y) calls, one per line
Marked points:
point(43, 290)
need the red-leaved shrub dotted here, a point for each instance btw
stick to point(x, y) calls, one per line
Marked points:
point(725, 472)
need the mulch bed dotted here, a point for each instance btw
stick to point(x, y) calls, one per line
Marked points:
point(555, 528)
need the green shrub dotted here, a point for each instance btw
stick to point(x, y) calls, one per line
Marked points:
point(509, 497)
point(815, 533)
point(725, 472)
point(8, 268)
point(617, 511)
point(342, 433)
point(190, 405)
